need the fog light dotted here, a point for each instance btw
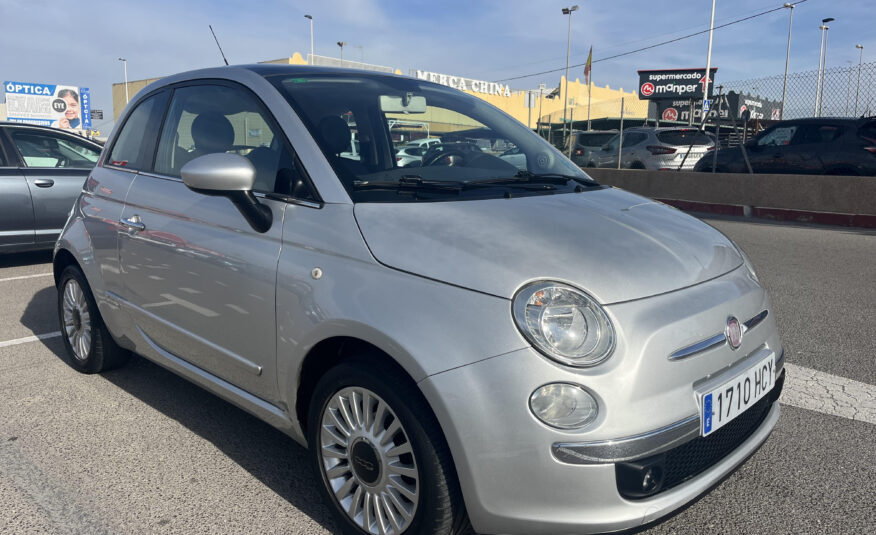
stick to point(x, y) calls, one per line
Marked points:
point(649, 481)
point(563, 405)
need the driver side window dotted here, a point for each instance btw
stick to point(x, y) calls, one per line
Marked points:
point(779, 136)
point(49, 150)
point(207, 119)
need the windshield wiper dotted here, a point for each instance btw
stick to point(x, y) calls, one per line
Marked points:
point(537, 177)
point(412, 182)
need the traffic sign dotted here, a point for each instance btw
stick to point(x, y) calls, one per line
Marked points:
point(707, 104)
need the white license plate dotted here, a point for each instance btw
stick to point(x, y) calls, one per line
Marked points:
point(721, 405)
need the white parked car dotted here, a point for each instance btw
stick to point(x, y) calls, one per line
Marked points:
point(656, 148)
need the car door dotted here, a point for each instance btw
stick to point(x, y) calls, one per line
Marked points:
point(16, 210)
point(770, 152)
point(55, 167)
point(198, 279)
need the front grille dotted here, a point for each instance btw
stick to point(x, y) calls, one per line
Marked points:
point(694, 457)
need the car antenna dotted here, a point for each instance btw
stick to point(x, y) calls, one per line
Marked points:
point(217, 44)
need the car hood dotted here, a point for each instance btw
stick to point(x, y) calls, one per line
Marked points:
point(615, 245)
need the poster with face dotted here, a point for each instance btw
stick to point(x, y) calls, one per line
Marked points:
point(60, 106)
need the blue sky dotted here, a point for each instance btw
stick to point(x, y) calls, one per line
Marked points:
point(78, 43)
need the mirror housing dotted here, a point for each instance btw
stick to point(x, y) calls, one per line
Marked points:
point(231, 176)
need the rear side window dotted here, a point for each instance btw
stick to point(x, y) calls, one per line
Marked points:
point(634, 138)
point(135, 144)
point(594, 140)
point(44, 149)
point(683, 137)
point(817, 133)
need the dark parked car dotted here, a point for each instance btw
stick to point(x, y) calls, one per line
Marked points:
point(587, 143)
point(822, 146)
point(41, 173)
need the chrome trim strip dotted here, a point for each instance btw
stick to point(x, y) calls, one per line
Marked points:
point(717, 340)
point(699, 347)
point(628, 448)
point(755, 321)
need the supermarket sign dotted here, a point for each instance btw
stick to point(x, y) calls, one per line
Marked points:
point(60, 106)
point(674, 83)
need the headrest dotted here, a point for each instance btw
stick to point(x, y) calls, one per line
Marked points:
point(212, 132)
point(336, 133)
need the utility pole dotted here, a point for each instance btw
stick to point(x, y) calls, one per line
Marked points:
point(125, 63)
point(822, 62)
point(790, 8)
point(708, 66)
point(567, 11)
point(860, 62)
point(310, 18)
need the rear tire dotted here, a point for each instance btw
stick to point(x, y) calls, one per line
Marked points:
point(89, 344)
point(378, 453)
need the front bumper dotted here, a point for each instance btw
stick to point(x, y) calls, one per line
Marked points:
point(513, 479)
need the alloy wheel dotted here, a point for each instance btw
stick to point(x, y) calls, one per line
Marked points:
point(368, 462)
point(77, 320)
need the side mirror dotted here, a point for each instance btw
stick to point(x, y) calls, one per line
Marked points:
point(231, 176)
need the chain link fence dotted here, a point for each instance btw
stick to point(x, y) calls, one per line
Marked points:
point(847, 91)
point(604, 115)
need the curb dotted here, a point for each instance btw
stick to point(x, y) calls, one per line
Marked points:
point(776, 214)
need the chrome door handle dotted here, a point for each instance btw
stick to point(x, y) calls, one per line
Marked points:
point(133, 223)
point(44, 182)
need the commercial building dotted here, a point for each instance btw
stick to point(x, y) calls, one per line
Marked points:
point(537, 108)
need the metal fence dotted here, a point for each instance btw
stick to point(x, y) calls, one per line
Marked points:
point(847, 91)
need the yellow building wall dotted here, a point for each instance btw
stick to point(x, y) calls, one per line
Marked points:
point(604, 101)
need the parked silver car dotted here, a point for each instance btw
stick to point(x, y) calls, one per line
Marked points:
point(664, 148)
point(464, 341)
point(41, 174)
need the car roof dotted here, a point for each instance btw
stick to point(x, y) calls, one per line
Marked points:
point(15, 124)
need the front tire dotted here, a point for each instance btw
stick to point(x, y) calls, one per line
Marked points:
point(379, 453)
point(89, 344)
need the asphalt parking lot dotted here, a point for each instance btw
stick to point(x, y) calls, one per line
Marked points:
point(138, 450)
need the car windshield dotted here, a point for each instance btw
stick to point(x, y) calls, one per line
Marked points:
point(474, 142)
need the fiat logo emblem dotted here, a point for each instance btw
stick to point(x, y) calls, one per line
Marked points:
point(733, 333)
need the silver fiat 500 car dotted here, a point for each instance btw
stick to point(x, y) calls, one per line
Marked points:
point(467, 342)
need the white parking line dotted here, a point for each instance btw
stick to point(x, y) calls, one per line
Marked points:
point(20, 277)
point(818, 391)
point(804, 387)
point(27, 339)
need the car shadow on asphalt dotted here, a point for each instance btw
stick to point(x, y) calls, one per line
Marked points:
point(269, 455)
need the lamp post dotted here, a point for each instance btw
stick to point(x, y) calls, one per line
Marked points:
point(125, 63)
point(708, 66)
point(822, 62)
point(860, 62)
point(342, 44)
point(310, 18)
point(567, 11)
point(790, 8)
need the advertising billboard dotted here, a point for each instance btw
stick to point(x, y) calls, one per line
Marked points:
point(674, 83)
point(61, 106)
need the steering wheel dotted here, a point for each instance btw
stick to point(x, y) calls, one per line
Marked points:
point(452, 157)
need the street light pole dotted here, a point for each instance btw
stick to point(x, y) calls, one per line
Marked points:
point(342, 44)
point(708, 65)
point(125, 63)
point(790, 8)
point(860, 62)
point(310, 18)
point(822, 62)
point(567, 11)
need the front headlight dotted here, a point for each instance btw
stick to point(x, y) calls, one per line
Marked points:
point(564, 323)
